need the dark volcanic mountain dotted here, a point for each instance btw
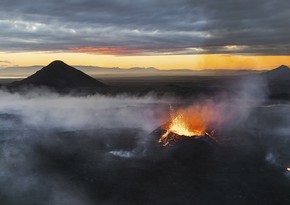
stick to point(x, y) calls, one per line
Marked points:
point(281, 73)
point(279, 81)
point(59, 75)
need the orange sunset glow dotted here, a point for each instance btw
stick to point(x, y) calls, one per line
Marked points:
point(107, 59)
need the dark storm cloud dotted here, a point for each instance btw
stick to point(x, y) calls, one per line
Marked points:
point(146, 26)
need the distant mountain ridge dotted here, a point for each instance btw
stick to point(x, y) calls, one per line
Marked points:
point(22, 72)
point(28, 70)
point(59, 75)
point(63, 78)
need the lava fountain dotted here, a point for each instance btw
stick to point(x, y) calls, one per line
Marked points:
point(195, 121)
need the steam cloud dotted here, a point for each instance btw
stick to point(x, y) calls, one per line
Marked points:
point(43, 109)
point(59, 149)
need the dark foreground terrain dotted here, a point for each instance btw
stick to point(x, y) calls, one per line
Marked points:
point(125, 166)
point(98, 150)
point(95, 145)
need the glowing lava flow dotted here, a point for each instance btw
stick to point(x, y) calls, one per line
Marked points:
point(193, 121)
point(179, 127)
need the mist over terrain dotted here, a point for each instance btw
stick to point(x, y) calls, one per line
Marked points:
point(134, 121)
point(99, 149)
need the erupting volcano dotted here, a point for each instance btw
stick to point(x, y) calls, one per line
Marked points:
point(195, 121)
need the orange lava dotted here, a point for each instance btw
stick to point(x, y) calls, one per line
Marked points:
point(193, 121)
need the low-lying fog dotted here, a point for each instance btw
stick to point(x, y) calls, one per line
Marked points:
point(70, 150)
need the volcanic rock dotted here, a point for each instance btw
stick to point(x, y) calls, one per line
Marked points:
point(183, 148)
point(59, 75)
point(180, 139)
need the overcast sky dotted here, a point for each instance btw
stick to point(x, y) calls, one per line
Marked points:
point(142, 27)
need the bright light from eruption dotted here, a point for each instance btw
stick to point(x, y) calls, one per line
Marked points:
point(178, 126)
point(193, 121)
point(288, 169)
